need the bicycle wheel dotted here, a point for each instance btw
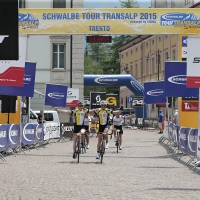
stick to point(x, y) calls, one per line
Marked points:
point(78, 148)
point(102, 150)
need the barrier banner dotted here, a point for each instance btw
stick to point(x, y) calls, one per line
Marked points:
point(154, 92)
point(27, 89)
point(120, 21)
point(39, 132)
point(56, 95)
point(192, 141)
point(13, 136)
point(3, 137)
point(166, 129)
point(182, 144)
point(28, 133)
point(175, 77)
point(172, 132)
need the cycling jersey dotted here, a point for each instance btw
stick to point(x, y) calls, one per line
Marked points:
point(103, 115)
point(87, 120)
point(79, 116)
point(118, 120)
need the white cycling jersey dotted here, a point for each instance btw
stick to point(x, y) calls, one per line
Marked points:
point(87, 120)
point(118, 120)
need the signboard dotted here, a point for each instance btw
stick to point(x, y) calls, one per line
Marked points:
point(27, 89)
point(193, 62)
point(138, 102)
point(9, 30)
point(12, 72)
point(183, 48)
point(96, 98)
point(112, 100)
point(98, 39)
point(175, 77)
point(188, 106)
point(109, 21)
point(154, 92)
point(56, 95)
point(72, 97)
point(130, 99)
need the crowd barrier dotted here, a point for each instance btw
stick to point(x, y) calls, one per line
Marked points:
point(181, 140)
point(14, 137)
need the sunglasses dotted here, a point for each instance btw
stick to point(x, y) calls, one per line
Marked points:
point(103, 105)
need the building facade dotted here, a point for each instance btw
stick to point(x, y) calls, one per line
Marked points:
point(60, 58)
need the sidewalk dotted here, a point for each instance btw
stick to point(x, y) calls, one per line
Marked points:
point(144, 169)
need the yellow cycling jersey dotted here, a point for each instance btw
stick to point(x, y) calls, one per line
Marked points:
point(79, 116)
point(103, 115)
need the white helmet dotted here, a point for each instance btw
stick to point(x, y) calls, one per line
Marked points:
point(103, 103)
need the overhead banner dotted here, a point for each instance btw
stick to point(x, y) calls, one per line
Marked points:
point(154, 92)
point(56, 95)
point(193, 62)
point(175, 80)
point(27, 89)
point(11, 71)
point(109, 21)
point(96, 98)
point(72, 97)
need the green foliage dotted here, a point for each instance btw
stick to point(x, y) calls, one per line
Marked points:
point(129, 4)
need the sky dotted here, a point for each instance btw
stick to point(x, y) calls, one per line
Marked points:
point(112, 3)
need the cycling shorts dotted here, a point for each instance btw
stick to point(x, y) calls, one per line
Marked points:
point(77, 128)
point(119, 127)
point(102, 127)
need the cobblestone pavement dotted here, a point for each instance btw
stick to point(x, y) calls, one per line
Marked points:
point(144, 169)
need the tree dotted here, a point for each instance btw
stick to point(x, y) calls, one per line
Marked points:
point(129, 4)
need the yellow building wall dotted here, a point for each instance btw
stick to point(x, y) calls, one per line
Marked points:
point(14, 118)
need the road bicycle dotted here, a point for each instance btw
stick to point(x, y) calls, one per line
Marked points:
point(117, 143)
point(78, 144)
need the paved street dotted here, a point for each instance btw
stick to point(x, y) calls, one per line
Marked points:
point(144, 169)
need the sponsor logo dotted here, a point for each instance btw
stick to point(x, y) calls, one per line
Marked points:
point(111, 101)
point(27, 21)
point(2, 37)
point(69, 92)
point(191, 140)
point(178, 79)
point(29, 131)
point(180, 19)
point(135, 86)
point(2, 134)
point(56, 95)
point(157, 92)
point(184, 52)
point(103, 80)
point(182, 137)
point(185, 41)
point(196, 60)
point(190, 106)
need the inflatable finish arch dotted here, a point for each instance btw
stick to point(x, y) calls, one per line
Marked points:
point(115, 80)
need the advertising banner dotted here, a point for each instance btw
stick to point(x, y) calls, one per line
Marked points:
point(27, 89)
point(193, 62)
point(109, 21)
point(182, 139)
point(137, 102)
point(3, 137)
point(154, 92)
point(175, 80)
point(56, 95)
point(183, 47)
point(13, 135)
point(192, 135)
point(11, 71)
point(112, 100)
point(172, 132)
point(198, 144)
point(28, 134)
point(39, 132)
point(96, 98)
point(72, 97)
point(190, 106)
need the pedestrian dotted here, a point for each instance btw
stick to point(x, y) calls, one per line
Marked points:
point(40, 118)
point(160, 120)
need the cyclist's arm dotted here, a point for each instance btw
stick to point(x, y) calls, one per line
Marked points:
point(129, 116)
point(63, 111)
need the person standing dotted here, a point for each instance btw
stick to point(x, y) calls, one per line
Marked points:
point(40, 118)
point(87, 126)
point(160, 120)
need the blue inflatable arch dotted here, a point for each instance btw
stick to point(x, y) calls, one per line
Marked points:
point(115, 80)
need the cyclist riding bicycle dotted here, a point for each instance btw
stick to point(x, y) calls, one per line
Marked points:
point(79, 115)
point(103, 114)
point(87, 126)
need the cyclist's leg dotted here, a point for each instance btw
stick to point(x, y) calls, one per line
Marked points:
point(106, 129)
point(87, 136)
point(101, 129)
point(120, 136)
point(76, 130)
point(114, 133)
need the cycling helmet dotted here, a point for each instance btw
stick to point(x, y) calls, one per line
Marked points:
point(79, 103)
point(103, 103)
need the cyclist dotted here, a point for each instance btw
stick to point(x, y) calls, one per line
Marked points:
point(79, 115)
point(117, 123)
point(103, 114)
point(87, 126)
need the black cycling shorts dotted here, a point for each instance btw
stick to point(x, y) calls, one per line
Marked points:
point(119, 127)
point(77, 128)
point(86, 127)
point(102, 127)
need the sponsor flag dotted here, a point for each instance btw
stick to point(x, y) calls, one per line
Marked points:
point(193, 62)
point(11, 71)
point(72, 97)
point(154, 92)
point(27, 89)
point(175, 80)
point(96, 98)
point(56, 95)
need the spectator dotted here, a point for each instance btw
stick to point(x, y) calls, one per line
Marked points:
point(160, 120)
point(40, 118)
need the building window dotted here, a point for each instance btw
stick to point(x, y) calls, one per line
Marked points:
point(141, 68)
point(136, 70)
point(131, 52)
point(126, 54)
point(159, 39)
point(141, 47)
point(122, 100)
point(122, 56)
point(152, 106)
point(152, 42)
point(153, 65)
point(59, 3)
point(21, 3)
point(166, 55)
point(166, 36)
point(131, 72)
point(147, 67)
point(136, 50)
point(147, 45)
point(58, 56)
point(174, 54)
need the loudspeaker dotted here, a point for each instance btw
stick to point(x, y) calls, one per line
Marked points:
point(8, 104)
